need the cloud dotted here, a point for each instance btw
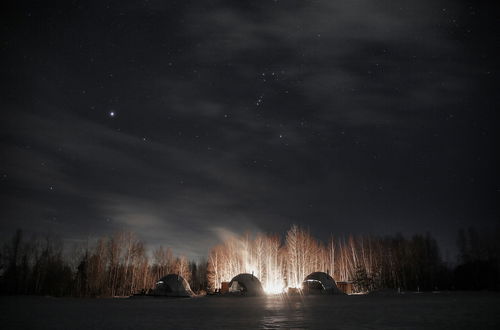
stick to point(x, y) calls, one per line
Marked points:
point(235, 115)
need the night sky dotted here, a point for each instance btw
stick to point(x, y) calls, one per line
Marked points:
point(181, 120)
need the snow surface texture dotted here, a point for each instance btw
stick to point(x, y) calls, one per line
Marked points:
point(407, 311)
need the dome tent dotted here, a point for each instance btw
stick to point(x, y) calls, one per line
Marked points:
point(246, 284)
point(320, 283)
point(172, 285)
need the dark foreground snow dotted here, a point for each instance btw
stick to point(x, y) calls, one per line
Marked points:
point(408, 311)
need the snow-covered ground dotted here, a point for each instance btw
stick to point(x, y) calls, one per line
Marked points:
point(407, 311)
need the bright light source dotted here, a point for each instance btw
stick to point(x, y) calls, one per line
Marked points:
point(274, 289)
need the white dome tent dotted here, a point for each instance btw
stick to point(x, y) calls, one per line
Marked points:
point(173, 285)
point(246, 284)
point(320, 283)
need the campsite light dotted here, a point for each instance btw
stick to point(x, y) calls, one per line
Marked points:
point(274, 289)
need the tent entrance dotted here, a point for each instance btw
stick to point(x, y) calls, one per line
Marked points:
point(238, 287)
point(313, 285)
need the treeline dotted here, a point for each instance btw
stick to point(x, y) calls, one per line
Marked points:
point(120, 265)
point(479, 260)
point(370, 262)
point(116, 265)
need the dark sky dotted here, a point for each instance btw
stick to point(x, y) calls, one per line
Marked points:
point(179, 120)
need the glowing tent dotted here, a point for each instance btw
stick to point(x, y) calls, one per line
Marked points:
point(320, 283)
point(246, 284)
point(173, 285)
